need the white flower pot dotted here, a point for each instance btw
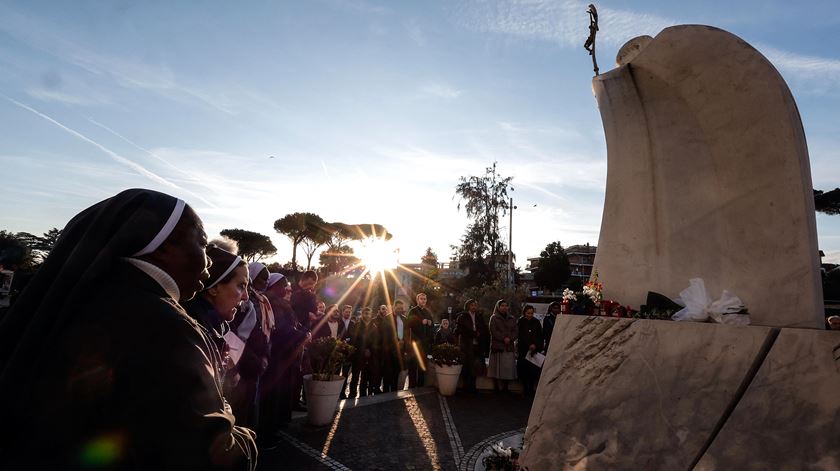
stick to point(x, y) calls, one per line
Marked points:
point(322, 398)
point(447, 378)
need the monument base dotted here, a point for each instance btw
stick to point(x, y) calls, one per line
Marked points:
point(642, 394)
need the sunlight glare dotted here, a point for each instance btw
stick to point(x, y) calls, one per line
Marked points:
point(377, 255)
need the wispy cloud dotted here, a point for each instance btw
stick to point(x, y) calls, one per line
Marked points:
point(118, 158)
point(46, 94)
point(564, 22)
point(808, 74)
point(440, 90)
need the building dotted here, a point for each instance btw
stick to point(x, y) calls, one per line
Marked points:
point(581, 260)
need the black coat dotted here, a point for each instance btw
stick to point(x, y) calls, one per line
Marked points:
point(465, 334)
point(530, 333)
point(158, 390)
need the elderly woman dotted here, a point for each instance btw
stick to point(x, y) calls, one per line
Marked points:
point(503, 334)
point(444, 333)
point(530, 341)
point(98, 353)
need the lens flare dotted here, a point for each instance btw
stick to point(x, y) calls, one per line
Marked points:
point(377, 255)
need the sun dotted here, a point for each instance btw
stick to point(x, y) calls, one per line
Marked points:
point(377, 255)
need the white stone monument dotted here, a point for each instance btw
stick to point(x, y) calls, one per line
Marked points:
point(708, 176)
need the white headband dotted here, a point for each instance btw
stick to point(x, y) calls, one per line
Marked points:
point(165, 230)
point(221, 277)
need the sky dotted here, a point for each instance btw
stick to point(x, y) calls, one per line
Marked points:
point(357, 110)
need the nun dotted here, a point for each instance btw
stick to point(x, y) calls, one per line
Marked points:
point(287, 342)
point(217, 303)
point(100, 366)
point(256, 329)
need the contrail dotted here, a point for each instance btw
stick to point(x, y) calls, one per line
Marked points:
point(166, 162)
point(135, 166)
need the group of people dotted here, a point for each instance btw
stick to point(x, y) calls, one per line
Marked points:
point(512, 343)
point(139, 337)
point(399, 340)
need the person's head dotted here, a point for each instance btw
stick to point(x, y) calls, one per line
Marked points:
point(366, 314)
point(528, 311)
point(554, 308)
point(321, 307)
point(227, 285)
point(834, 322)
point(259, 276)
point(471, 306)
point(278, 284)
point(332, 312)
point(182, 256)
point(502, 307)
point(346, 311)
point(421, 299)
point(399, 307)
point(226, 243)
point(308, 279)
point(444, 324)
point(383, 310)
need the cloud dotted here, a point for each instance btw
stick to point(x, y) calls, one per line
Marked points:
point(440, 90)
point(812, 75)
point(118, 158)
point(46, 94)
point(564, 22)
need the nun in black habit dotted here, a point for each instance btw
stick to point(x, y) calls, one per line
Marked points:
point(100, 367)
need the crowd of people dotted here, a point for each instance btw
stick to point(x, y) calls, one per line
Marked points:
point(170, 351)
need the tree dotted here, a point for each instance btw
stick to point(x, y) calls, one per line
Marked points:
point(337, 259)
point(827, 202)
point(553, 270)
point(296, 227)
point(14, 253)
point(316, 235)
point(429, 258)
point(253, 246)
point(40, 247)
point(485, 199)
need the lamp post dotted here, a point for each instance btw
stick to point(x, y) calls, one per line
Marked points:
point(510, 246)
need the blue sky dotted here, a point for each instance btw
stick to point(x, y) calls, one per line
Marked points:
point(372, 110)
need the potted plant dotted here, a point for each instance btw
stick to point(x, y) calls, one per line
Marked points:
point(323, 386)
point(448, 361)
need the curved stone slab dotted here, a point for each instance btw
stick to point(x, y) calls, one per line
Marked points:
point(708, 176)
point(635, 394)
point(789, 417)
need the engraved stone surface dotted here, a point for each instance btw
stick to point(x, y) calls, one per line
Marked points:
point(708, 176)
point(789, 417)
point(635, 394)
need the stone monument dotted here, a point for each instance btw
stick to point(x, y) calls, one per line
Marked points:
point(708, 176)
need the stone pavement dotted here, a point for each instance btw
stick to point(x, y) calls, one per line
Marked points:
point(414, 429)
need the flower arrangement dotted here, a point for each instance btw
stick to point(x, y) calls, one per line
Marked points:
point(447, 354)
point(593, 289)
point(569, 295)
point(501, 458)
point(326, 355)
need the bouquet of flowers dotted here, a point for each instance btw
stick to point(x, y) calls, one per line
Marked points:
point(593, 289)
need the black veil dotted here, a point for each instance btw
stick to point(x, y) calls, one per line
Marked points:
point(132, 223)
